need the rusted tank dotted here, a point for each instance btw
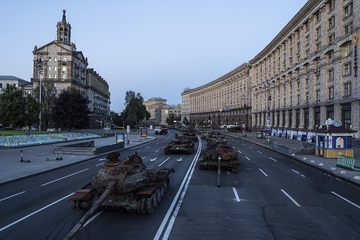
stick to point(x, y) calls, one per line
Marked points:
point(122, 185)
point(179, 145)
point(136, 188)
point(209, 157)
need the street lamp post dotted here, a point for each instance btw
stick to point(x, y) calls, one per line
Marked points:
point(40, 67)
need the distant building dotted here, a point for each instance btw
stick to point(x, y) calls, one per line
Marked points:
point(160, 111)
point(19, 83)
point(66, 67)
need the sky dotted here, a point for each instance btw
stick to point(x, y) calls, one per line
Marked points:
point(156, 48)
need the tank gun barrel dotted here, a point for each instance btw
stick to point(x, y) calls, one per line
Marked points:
point(110, 188)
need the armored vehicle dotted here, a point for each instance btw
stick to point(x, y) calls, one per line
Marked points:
point(123, 185)
point(179, 145)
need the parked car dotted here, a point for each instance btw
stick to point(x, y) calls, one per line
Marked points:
point(50, 129)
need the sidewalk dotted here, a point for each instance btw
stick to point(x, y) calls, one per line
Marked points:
point(289, 147)
point(42, 157)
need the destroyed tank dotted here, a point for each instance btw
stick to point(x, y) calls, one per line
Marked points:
point(219, 155)
point(179, 144)
point(122, 185)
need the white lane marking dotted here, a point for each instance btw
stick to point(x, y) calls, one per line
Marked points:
point(177, 200)
point(259, 152)
point(64, 177)
point(99, 164)
point(247, 158)
point(164, 161)
point(298, 173)
point(273, 159)
point(179, 160)
point(263, 172)
point(345, 199)
point(290, 198)
point(239, 151)
point(102, 159)
point(33, 213)
point(153, 159)
point(250, 147)
point(14, 195)
point(157, 151)
point(236, 195)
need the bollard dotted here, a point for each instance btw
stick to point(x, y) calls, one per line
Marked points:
point(22, 157)
point(219, 171)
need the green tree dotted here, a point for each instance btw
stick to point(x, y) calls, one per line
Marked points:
point(135, 111)
point(12, 107)
point(32, 110)
point(48, 97)
point(71, 110)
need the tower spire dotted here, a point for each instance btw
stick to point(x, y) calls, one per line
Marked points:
point(64, 17)
point(63, 30)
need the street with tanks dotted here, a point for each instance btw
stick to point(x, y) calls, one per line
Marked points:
point(151, 192)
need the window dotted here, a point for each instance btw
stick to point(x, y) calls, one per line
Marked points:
point(348, 9)
point(49, 68)
point(347, 69)
point(307, 97)
point(55, 59)
point(1, 85)
point(346, 50)
point(318, 95)
point(318, 45)
point(318, 33)
point(347, 119)
point(49, 75)
point(63, 69)
point(348, 28)
point(331, 92)
point(331, 38)
point(331, 22)
point(55, 68)
point(331, 75)
point(49, 59)
point(330, 57)
point(347, 89)
point(317, 78)
point(331, 5)
point(307, 40)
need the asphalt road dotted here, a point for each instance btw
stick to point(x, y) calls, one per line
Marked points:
point(271, 197)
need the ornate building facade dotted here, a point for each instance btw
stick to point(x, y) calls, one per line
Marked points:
point(305, 75)
point(65, 66)
point(160, 111)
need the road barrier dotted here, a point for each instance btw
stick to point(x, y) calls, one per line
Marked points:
point(347, 162)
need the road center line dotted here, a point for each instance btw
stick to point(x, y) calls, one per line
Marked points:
point(236, 195)
point(64, 177)
point(345, 199)
point(290, 198)
point(164, 161)
point(263, 172)
point(14, 195)
point(33, 213)
point(273, 159)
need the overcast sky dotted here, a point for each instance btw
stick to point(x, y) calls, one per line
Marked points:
point(156, 48)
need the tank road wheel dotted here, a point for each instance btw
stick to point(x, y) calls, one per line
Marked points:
point(166, 151)
point(150, 205)
point(162, 191)
point(155, 199)
point(141, 206)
